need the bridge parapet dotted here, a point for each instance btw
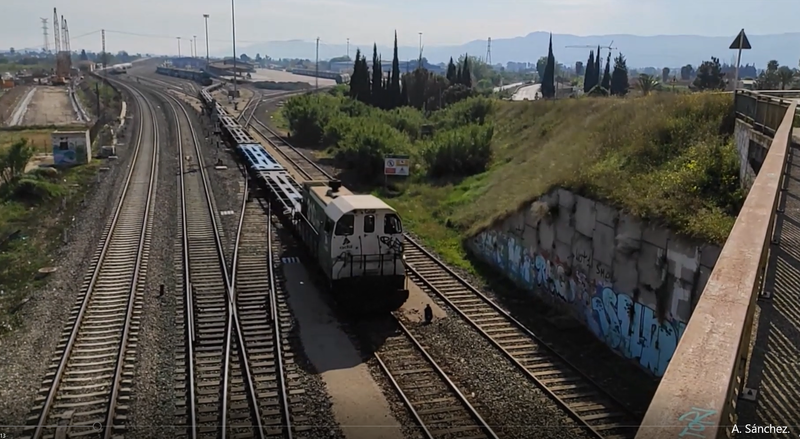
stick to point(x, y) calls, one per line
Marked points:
point(699, 391)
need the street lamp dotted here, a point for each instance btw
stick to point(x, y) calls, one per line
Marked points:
point(179, 46)
point(205, 16)
point(316, 77)
point(233, 27)
point(195, 46)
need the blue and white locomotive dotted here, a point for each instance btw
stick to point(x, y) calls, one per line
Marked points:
point(356, 240)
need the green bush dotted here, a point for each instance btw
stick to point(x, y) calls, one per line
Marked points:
point(459, 152)
point(366, 145)
point(469, 111)
point(339, 128)
point(34, 191)
point(308, 115)
point(407, 120)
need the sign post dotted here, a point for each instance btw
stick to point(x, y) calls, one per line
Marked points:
point(739, 43)
point(398, 165)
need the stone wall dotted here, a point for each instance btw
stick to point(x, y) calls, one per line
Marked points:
point(752, 147)
point(633, 285)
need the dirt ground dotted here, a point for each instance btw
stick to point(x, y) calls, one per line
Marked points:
point(8, 101)
point(50, 106)
point(40, 140)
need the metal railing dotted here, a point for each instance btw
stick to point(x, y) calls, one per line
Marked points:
point(698, 394)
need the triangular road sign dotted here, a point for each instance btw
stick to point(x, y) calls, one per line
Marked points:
point(741, 42)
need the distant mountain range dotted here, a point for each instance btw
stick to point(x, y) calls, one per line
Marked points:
point(653, 51)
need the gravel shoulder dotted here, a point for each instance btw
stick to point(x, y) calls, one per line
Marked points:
point(28, 350)
point(152, 402)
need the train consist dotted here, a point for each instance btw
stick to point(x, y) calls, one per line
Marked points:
point(340, 78)
point(199, 76)
point(356, 240)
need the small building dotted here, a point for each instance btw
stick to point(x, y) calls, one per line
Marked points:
point(71, 148)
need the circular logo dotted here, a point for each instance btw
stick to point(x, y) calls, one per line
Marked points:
point(390, 163)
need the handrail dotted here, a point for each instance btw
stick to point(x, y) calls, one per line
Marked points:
point(698, 393)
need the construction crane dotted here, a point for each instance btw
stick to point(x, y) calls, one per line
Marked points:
point(67, 49)
point(60, 71)
point(609, 47)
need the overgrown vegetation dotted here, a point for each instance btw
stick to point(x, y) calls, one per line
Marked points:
point(449, 143)
point(29, 221)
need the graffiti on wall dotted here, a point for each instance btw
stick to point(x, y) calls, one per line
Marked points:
point(628, 327)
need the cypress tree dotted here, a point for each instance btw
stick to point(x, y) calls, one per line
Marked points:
point(355, 80)
point(466, 75)
point(363, 88)
point(395, 83)
point(619, 79)
point(404, 91)
point(549, 79)
point(451, 72)
point(377, 74)
point(597, 71)
point(588, 77)
point(606, 84)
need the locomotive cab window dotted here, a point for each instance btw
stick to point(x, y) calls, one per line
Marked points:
point(345, 225)
point(392, 225)
point(369, 223)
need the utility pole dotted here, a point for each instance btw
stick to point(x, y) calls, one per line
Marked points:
point(233, 27)
point(419, 63)
point(179, 46)
point(44, 31)
point(316, 78)
point(348, 41)
point(205, 16)
point(105, 55)
point(194, 48)
point(489, 51)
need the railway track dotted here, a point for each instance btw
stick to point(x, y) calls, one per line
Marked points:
point(207, 302)
point(235, 351)
point(266, 321)
point(578, 394)
point(583, 399)
point(304, 165)
point(85, 390)
point(435, 403)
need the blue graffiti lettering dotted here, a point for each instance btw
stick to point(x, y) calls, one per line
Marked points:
point(630, 328)
point(634, 331)
point(697, 422)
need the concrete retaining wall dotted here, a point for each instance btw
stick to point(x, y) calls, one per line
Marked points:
point(752, 147)
point(633, 285)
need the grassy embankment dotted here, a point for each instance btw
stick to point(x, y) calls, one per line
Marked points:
point(31, 216)
point(665, 157)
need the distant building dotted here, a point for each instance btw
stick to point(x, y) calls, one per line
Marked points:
point(189, 62)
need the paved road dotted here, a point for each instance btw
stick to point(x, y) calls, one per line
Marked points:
point(530, 93)
point(506, 87)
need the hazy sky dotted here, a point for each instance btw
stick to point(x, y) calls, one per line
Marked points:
point(443, 22)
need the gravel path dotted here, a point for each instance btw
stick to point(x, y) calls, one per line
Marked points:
point(152, 404)
point(27, 352)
